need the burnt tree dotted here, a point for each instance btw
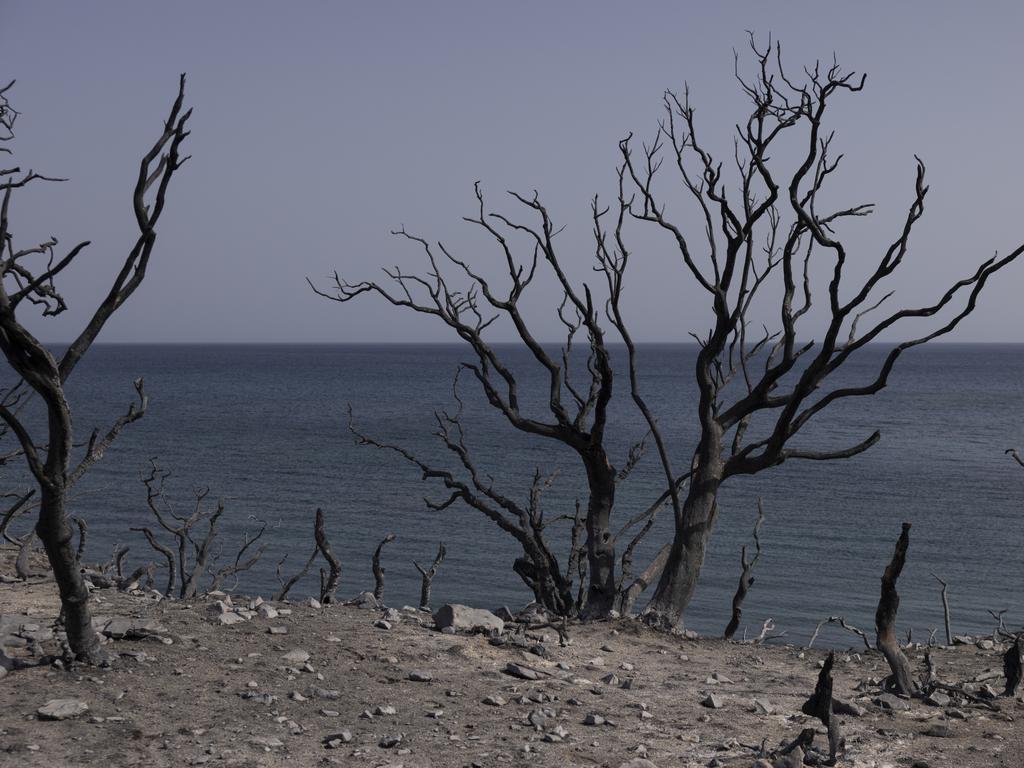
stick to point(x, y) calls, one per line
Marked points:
point(27, 277)
point(759, 249)
point(885, 618)
point(461, 297)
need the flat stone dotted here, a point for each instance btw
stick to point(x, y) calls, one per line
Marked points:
point(494, 701)
point(387, 709)
point(938, 699)
point(266, 611)
point(228, 619)
point(462, 618)
point(520, 671)
point(390, 742)
point(420, 677)
point(62, 709)
point(763, 707)
point(277, 630)
point(382, 624)
point(938, 731)
point(297, 656)
point(891, 702)
point(592, 719)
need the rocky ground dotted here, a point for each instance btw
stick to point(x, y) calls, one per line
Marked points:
point(213, 682)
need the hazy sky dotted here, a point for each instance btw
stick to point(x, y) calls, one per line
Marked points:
point(320, 126)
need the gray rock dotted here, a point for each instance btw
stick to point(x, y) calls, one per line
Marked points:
point(592, 719)
point(313, 603)
point(365, 600)
point(938, 699)
point(62, 709)
point(297, 656)
point(610, 679)
point(938, 731)
point(227, 619)
point(986, 644)
point(382, 624)
point(266, 742)
point(277, 630)
point(315, 692)
point(420, 677)
point(335, 740)
point(462, 618)
point(387, 709)
point(892, 702)
point(390, 742)
point(712, 702)
point(638, 762)
point(763, 707)
point(842, 707)
point(266, 611)
point(520, 671)
point(494, 701)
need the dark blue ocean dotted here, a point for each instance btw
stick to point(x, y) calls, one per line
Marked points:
point(264, 427)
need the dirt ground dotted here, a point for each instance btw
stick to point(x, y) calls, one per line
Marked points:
point(200, 693)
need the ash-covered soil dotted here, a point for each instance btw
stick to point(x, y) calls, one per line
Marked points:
point(325, 686)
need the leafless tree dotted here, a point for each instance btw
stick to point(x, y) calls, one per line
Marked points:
point(427, 575)
point(195, 534)
point(577, 407)
point(772, 234)
point(27, 274)
point(746, 575)
point(328, 579)
point(378, 569)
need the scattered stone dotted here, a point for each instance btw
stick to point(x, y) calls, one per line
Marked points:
point(266, 742)
point(315, 692)
point(610, 679)
point(712, 702)
point(763, 707)
point(420, 677)
point(494, 701)
point(520, 671)
point(592, 719)
point(938, 731)
point(938, 699)
point(382, 624)
point(228, 619)
point(277, 630)
point(986, 644)
point(62, 709)
point(638, 762)
point(297, 656)
point(266, 611)
point(313, 603)
point(330, 713)
point(462, 618)
point(390, 742)
point(892, 702)
point(387, 709)
point(335, 740)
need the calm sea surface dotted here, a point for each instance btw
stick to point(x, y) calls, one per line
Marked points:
point(265, 428)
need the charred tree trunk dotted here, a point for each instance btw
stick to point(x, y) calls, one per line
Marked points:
point(328, 581)
point(746, 576)
point(631, 594)
point(600, 542)
point(378, 569)
point(693, 531)
point(820, 705)
point(428, 574)
point(1013, 660)
point(885, 618)
point(57, 537)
